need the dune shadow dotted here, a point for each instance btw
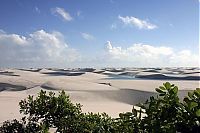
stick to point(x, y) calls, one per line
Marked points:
point(64, 73)
point(31, 70)
point(129, 96)
point(164, 77)
point(11, 87)
point(48, 87)
point(8, 73)
point(149, 77)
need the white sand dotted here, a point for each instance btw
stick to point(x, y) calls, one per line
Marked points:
point(96, 92)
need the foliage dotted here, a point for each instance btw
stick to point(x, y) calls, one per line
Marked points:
point(16, 126)
point(52, 111)
point(161, 111)
point(164, 113)
point(189, 119)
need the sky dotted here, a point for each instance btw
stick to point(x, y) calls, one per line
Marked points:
point(99, 33)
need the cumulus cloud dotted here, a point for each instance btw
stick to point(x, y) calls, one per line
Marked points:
point(142, 55)
point(61, 12)
point(39, 48)
point(141, 24)
point(87, 36)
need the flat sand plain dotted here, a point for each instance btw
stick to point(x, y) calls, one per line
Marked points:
point(107, 90)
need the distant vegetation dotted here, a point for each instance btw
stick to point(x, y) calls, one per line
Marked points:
point(165, 113)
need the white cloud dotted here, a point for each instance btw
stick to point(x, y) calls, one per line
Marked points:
point(141, 24)
point(142, 55)
point(37, 49)
point(87, 36)
point(12, 38)
point(185, 58)
point(61, 12)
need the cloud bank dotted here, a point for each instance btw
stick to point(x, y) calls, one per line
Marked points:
point(39, 48)
point(142, 55)
point(133, 21)
point(61, 12)
point(49, 49)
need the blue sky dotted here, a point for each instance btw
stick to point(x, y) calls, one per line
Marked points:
point(99, 33)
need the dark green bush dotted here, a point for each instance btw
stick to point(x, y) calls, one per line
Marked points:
point(52, 111)
point(166, 113)
point(162, 114)
point(189, 116)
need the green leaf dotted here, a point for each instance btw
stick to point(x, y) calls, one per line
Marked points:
point(151, 98)
point(167, 85)
point(192, 105)
point(162, 94)
point(134, 111)
point(128, 114)
point(159, 90)
point(120, 115)
point(175, 90)
point(172, 85)
point(186, 99)
point(197, 93)
point(190, 94)
point(198, 112)
point(162, 88)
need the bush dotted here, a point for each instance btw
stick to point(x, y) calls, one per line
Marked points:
point(164, 113)
point(52, 111)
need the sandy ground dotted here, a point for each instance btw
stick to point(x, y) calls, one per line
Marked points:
point(98, 91)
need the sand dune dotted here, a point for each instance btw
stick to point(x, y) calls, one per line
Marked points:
point(101, 90)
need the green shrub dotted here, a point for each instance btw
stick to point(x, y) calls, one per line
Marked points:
point(166, 113)
point(189, 116)
point(52, 111)
point(162, 114)
point(162, 110)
